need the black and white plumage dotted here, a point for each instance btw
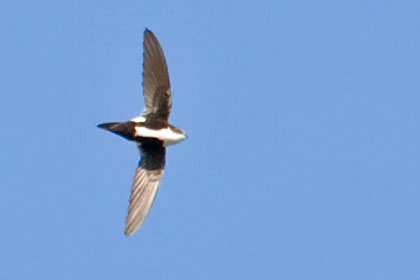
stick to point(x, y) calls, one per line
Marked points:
point(151, 132)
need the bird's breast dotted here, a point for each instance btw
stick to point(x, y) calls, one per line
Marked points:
point(166, 135)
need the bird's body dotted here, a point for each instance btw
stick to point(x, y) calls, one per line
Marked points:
point(169, 136)
point(151, 132)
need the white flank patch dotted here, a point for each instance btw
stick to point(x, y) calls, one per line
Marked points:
point(138, 119)
point(167, 135)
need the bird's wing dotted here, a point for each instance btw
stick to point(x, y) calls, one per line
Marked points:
point(146, 183)
point(156, 84)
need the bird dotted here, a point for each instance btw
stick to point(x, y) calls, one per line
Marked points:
point(150, 131)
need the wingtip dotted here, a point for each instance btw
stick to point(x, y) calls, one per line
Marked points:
point(149, 35)
point(147, 31)
point(129, 231)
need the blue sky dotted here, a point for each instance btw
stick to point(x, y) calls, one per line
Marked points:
point(302, 160)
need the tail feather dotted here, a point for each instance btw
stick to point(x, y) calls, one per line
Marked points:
point(123, 129)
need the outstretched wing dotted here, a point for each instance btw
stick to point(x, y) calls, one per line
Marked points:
point(156, 84)
point(146, 183)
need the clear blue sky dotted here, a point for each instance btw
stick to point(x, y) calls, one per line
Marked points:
point(303, 157)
